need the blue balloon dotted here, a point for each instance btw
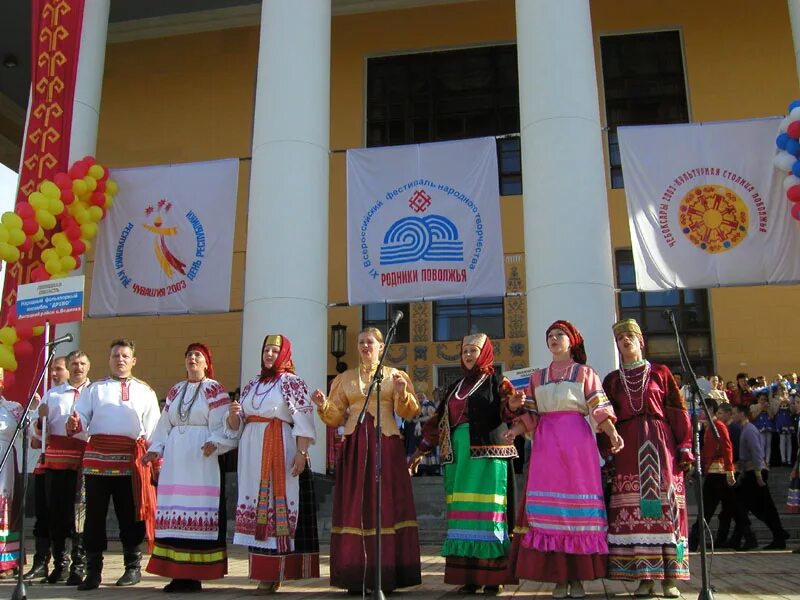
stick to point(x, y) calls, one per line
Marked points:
point(793, 147)
point(796, 168)
point(781, 140)
point(794, 104)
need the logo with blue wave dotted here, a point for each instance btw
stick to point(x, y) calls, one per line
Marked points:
point(432, 238)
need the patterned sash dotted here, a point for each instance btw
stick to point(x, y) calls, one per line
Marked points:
point(63, 453)
point(273, 476)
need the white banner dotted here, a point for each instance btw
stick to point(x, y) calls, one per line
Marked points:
point(706, 206)
point(423, 221)
point(167, 243)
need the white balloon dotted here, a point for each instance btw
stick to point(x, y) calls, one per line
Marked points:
point(784, 124)
point(790, 181)
point(784, 161)
point(794, 115)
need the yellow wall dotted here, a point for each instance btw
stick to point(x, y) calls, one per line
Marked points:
point(191, 97)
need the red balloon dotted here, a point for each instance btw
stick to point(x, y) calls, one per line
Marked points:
point(78, 261)
point(89, 160)
point(794, 129)
point(25, 330)
point(30, 226)
point(63, 181)
point(11, 317)
point(25, 210)
point(67, 196)
point(793, 193)
point(38, 275)
point(78, 247)
point(78, 170)
point(73, 232)
point(26, 245)
point(8, 380)
point(23, 349)
point(101, 186)
point(796, 211)
point(98, 199)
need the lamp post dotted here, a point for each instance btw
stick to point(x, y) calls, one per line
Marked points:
point(339, 345)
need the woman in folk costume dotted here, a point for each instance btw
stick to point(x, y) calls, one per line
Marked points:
point(10, 489)
point(562, 538)
point(469, 427)
point(276, 512)
point(353, 526)
point(190, 515)
point(647, 524)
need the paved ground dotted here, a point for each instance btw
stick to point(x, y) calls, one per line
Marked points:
point(767, 575)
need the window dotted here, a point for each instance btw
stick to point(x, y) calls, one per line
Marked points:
point(690, 308)
point(448, 95)
point(453, 319)
point(644, 84)
point(380, 316)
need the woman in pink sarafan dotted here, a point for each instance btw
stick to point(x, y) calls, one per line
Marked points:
point(561, 536)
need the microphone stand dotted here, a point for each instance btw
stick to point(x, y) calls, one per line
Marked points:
point(22, 425)
point(706, 590)
point(377, 592)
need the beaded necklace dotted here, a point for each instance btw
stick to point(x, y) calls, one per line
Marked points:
point(183, 407)
point(262, 395)
point(635, 384)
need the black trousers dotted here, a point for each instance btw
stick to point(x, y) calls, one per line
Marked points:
point(60, 488)
point(758, 500)
point(41, 527)
point(99, 490)
point(716, 491)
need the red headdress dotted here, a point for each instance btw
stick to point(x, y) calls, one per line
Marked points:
point(202, 349)
point(485, 362)
point(283, 364)
point(576, 349)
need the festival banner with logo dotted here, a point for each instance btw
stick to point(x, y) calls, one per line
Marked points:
point(706, 207)
point(423, 221)
point(168, 244)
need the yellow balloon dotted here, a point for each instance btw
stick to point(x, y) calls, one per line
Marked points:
point(88, 230)
point(109, 200)
point(63, 249)
point(91, 183)
point(79, 187)
point(3, 234)
point(82, 216)
point(58, 238)
point(68, 263)
point(56, 206)
point(87, 243)
point(38, 330)
point(49, 254)
point(38, 236)
point(97, 171)
point(95, 213)
point(50, 189)
point(11, 220)
point(60, 275)
point(6, 252)
point(112, 187)
point(16, 237)
point(8, 336)
point(7, 359)
point(45, 219)
point(13, 254)
point(38, 201)
point(53, 266)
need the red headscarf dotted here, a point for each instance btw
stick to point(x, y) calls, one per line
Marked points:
point(485, 362)
point(576, 349)
point(202, 349)
point(283, 364)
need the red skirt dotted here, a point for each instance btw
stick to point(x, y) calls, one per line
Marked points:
point(353, 526)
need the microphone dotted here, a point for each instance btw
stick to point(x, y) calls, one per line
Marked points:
point(398, 314)
point(64, 338)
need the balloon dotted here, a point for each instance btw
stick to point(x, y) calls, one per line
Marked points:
point(67, 263)
point(793, 147)
point(794, 104)
point(82, 216)
point(59, 238)
point(91, 182)
point(783, 160)
point(3, 234)
point(781, 140)
point(49, 254)
point(78, 247)
point(8, 336)
point(45, 219)
point(89, 160)
point(101, 186)
point(87, 243)
point(11, 220)
point(50, 189)
point(11, 317)
point(99, 198)
point(109, 201)
point(97, 171)
point(23, 349)
point(24, 330)
point(784, 123)
point(793, 129)
point(6, 252)
point(793, 193)
point(73, 232)
point(112, 187)
point(796, 169)
point(39, 274)
point(53, 266)
point(38, 236)
point(79, 186)
point(67, 196)
point(63, 181)
point(796, 211)
point(38, 201)
point(38, 330)
point(26, 245)
point(8, 380)
point(96, 213)
point(88, 230)
point(64, 249)
point(78, 261)
point(24, 210)
point(29, 226)
point(78, 170)
point(16, 237)
point(794, 114)
point(13, 254)
point(7, 360)
point(789, 181)
point(56, 207)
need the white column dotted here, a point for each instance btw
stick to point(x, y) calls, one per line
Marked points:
point(567, 237)
point(85, 116)
point(794, 20)
point(286, 273)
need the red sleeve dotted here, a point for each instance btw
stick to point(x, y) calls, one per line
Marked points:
point(676, 414)
point(430, 434)
point(725, 445)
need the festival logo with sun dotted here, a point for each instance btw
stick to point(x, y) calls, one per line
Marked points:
point(169, 263)
point(714, 218)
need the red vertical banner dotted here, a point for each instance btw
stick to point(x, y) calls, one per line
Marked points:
point(55, 45)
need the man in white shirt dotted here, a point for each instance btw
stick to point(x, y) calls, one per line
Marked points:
point(120, 413)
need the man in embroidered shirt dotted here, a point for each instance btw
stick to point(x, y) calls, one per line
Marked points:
point(61, 460)
point(754, 489)
point(120, 414)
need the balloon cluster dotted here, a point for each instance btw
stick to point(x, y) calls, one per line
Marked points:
point(77, 201)
point(788, 156)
